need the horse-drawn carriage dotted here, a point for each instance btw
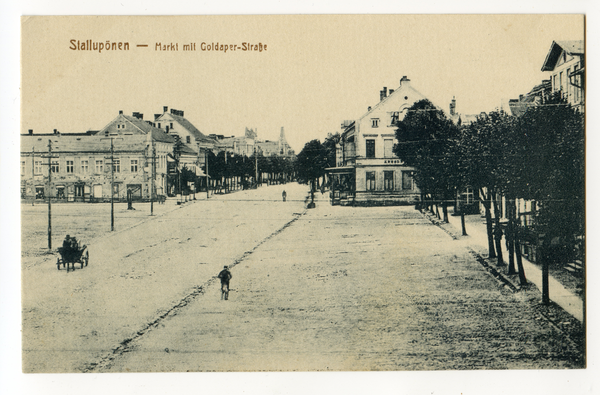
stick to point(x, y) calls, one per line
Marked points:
point(70, 255)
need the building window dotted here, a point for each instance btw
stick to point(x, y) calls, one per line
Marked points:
point(407, 180)
point(394, 118)
point(99, 167)
point(134, 165)
point(560, 81)
point(370, 181)
point(84, 166)
point(388, 147)
point(54, 167)
point(38, 167)
point(375, 122)
point(22, 167)
point(188, 139)
point(70, 166)
point(370, 148)
point(116, 165)
point(468, 196)
point(171, 125)
point(388, 180)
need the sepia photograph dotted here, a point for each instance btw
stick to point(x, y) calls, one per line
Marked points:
point(285, 193)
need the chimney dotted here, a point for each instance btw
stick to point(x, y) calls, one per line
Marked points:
point(165, 109)
point(385, 91)
point(138, 115)
point(30, 132)
point(369, 108)
point(404, 80)
point(381, 95)
point(120, 112)
point(55, 131)
point(391, 91)
point(453, 107)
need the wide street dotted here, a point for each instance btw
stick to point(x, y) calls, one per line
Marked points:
point(333, 288)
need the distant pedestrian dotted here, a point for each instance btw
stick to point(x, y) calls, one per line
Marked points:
point(284, 195)
point(225, 276)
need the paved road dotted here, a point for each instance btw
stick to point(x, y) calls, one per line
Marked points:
point(353, 289)
point(73, 319)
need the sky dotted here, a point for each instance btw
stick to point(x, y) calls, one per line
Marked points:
point(317, 70)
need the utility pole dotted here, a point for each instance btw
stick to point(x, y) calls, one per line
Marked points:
point(206, 163)
point(33, 174)
point(112, 183)
point(49, 194)
point(153, 178)
point(255, 167)
point(112, 186)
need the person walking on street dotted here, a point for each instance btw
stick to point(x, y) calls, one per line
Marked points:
point(225, 276)
point(284, 195)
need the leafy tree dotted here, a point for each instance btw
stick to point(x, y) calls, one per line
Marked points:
point(311, 163)
point(425, 139)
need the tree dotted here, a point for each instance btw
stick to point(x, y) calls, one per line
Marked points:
point(311, 163)
point(425, 139)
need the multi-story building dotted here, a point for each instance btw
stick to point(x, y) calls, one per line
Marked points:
point(566, 63)
point(275, 148)
point(83, 166)
point(367, 171)
point(174, 123)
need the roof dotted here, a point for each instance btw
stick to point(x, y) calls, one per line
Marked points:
point(140, 127)
point(535, 97)
point(573, 48)
point(198, 135)
point(75, 143)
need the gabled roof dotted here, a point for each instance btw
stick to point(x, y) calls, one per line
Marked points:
point(198, 135)
point(139, 127)
point(401, 90)
point(574, 48)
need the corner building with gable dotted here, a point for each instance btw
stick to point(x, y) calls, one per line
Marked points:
point(367, 172)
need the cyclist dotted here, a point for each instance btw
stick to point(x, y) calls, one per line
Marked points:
point(225, 276)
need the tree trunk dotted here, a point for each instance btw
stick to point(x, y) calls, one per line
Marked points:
point(462, 223)
point(522, 278)
point(497, 231)
point(488, 223)
point(445, 211)
point(510, 238)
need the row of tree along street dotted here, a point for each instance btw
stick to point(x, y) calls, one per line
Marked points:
point(228, 172)
point(538, 157)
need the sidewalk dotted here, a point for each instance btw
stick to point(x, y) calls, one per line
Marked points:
point(477, 233)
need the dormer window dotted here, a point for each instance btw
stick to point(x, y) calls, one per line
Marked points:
point(375, 122)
